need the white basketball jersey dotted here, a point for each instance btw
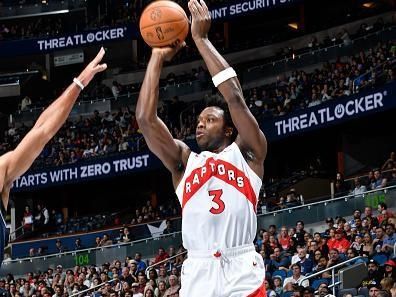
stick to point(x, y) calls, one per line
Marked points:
point(218, 195)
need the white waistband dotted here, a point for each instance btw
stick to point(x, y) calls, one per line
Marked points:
point(229, 252)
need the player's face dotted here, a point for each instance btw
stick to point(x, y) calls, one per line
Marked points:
point(210, 132)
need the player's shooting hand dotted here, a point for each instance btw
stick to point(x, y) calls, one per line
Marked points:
point(93, 68)
point(167, 53)
point(201, 19)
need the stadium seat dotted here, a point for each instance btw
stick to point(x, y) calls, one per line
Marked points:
point(351, 291)
point(317, 282)
point(287, 294)
point(289, 273)
point(380, 259)
point(363, 291)
point(281, 273)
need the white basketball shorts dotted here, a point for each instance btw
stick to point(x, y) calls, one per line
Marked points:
point(234, 272)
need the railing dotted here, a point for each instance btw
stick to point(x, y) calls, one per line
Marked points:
point(86, 106)
point(91, 289)
point(44, 8)
point(365, 175)
point(309, 52)
point(394, 249)
point(333, 284)
point(89, 250)
point(355, 87)
point(147, 271)
point(345, 198)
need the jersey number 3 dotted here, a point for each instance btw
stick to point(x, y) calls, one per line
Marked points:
point(216, 194)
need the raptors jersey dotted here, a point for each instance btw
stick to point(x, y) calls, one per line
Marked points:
point(218, 195)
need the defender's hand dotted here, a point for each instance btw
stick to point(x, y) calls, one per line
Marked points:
point(201, 19)
point(93, 68)
point(167, 53)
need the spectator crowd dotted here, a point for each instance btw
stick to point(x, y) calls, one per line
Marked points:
point(290, 253)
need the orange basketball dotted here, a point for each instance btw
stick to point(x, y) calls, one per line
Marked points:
point(163, 23)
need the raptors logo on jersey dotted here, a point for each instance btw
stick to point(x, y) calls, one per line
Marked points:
point(218, 194)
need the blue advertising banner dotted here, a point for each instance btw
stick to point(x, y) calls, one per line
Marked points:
point(154, 229)
point(86, 171)
point(239, 8)
point(332, 112)
point(50, 44)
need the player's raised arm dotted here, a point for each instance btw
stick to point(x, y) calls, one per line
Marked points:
point(15, 163)
point(173, 153)
point(250, 137)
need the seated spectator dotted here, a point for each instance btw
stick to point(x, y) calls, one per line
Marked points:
point(334, 258)
point(135, 290)
point(161, 288)
point(59, 247)
point(390, 269)
point(371, 220)
point(278, 261)
point(389, 240)
point(26, 103)
point(374, 275)
point(358, 189)
point(148, 291)
point(174, 286)
point(305, 262)
point(269, 288)
point(358, 244)
point(378, 240)
point(168, 229)
point(340, 186)
point(27, 220)
point(141, 265)
point(105, 241)
point(330, 224)
point(126, 276)
point(294, 279)
point(162, 255)
point(78, 245)
point(384, 213)
point(277, 281)
point(339, 243)
point(379, 181)
point(374, 289)
point(126, 236)
point(284, 238)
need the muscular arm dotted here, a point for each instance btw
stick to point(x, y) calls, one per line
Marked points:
point(250, 137)
point(173, 153)
point(17, 162)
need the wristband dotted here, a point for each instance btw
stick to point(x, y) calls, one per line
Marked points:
point(223, 76)
point(78, 83)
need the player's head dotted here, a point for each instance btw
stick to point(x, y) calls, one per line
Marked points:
point(215, 127)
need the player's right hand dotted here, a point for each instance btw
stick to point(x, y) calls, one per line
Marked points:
point(167, 53)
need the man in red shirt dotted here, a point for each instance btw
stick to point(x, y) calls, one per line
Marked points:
point(340, 243)
point(162, 255)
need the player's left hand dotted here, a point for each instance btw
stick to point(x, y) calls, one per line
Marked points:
point(93, 68)
point(201, 19)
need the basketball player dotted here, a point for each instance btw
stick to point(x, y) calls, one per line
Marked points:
point(15, 163)
point(218, 188)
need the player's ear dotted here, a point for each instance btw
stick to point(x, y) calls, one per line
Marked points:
point(229, 131)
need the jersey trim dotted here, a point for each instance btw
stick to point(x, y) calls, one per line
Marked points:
point(222, 170)
point(260, 292)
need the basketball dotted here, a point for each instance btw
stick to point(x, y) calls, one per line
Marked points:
point(163, 23)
